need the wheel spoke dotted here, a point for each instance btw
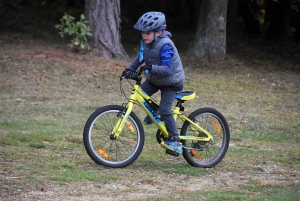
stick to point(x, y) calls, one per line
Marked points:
point(118, 152)
point(212, 152)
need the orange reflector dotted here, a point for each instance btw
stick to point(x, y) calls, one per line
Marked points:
point(217, 126)
point(103, 153)
point(195, 154)
point(129, 126)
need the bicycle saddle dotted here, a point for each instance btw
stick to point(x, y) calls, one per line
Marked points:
point(185, 95)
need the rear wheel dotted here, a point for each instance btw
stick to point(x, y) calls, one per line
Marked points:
point(206, 154)
point(103, 147)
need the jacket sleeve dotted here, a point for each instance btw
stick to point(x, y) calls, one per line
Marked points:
point(166, 55)
point(135, 63)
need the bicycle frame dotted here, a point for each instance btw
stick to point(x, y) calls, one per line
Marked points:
point(139, 96)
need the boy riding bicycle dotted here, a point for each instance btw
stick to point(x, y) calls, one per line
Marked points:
point(163, 70)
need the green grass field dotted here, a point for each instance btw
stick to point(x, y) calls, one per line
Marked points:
point(47, 92)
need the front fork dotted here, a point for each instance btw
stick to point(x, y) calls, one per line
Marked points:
point(123, 115)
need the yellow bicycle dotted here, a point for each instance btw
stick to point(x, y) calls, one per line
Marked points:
point(114, 136)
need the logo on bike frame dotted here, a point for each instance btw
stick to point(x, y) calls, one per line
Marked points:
point(153, 113)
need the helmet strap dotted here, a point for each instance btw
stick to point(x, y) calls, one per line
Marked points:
point(141, 51)
point(155, 37)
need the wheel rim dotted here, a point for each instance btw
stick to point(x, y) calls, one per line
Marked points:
point(210, 150)
point(109, 149)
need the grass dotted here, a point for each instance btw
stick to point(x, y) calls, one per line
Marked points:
point(47, 93)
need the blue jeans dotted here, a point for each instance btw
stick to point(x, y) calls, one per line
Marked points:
point(166, 102)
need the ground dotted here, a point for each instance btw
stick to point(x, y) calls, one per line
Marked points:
point(49, 82)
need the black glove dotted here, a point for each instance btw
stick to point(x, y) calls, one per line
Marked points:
point(127, 73)
point(147, 69)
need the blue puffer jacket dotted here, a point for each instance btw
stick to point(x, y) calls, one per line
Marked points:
point(166, 64)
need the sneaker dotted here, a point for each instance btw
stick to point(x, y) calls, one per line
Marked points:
point(147, 120)
point(172, 145)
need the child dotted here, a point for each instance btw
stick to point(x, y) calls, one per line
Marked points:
point(163, 70)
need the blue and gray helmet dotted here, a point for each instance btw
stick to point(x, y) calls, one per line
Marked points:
point(151, 21)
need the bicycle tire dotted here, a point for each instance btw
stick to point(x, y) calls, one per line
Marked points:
point(206, 154)
point(106, 150)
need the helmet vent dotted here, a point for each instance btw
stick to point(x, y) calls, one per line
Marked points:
point(151, 21)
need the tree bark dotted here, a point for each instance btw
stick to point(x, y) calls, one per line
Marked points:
point(210, 38)
point(104, 20)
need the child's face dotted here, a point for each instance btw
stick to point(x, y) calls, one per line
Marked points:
point(148, 36)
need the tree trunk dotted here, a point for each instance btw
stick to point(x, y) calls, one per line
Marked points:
point(210, 38)
point(104, 20)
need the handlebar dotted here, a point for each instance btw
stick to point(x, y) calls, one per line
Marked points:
point(134, 76)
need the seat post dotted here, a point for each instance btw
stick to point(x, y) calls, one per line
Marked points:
point(179, 104)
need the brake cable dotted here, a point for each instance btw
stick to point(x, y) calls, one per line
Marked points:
point(123, 92)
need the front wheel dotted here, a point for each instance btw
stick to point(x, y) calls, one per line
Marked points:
point(103, 147)
point(206, 154)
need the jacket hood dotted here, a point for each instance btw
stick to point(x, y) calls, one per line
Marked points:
point(166, 34)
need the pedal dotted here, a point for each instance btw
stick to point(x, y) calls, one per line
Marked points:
point(173, 153)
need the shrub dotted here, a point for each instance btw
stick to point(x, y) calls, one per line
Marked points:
point(78, 31)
